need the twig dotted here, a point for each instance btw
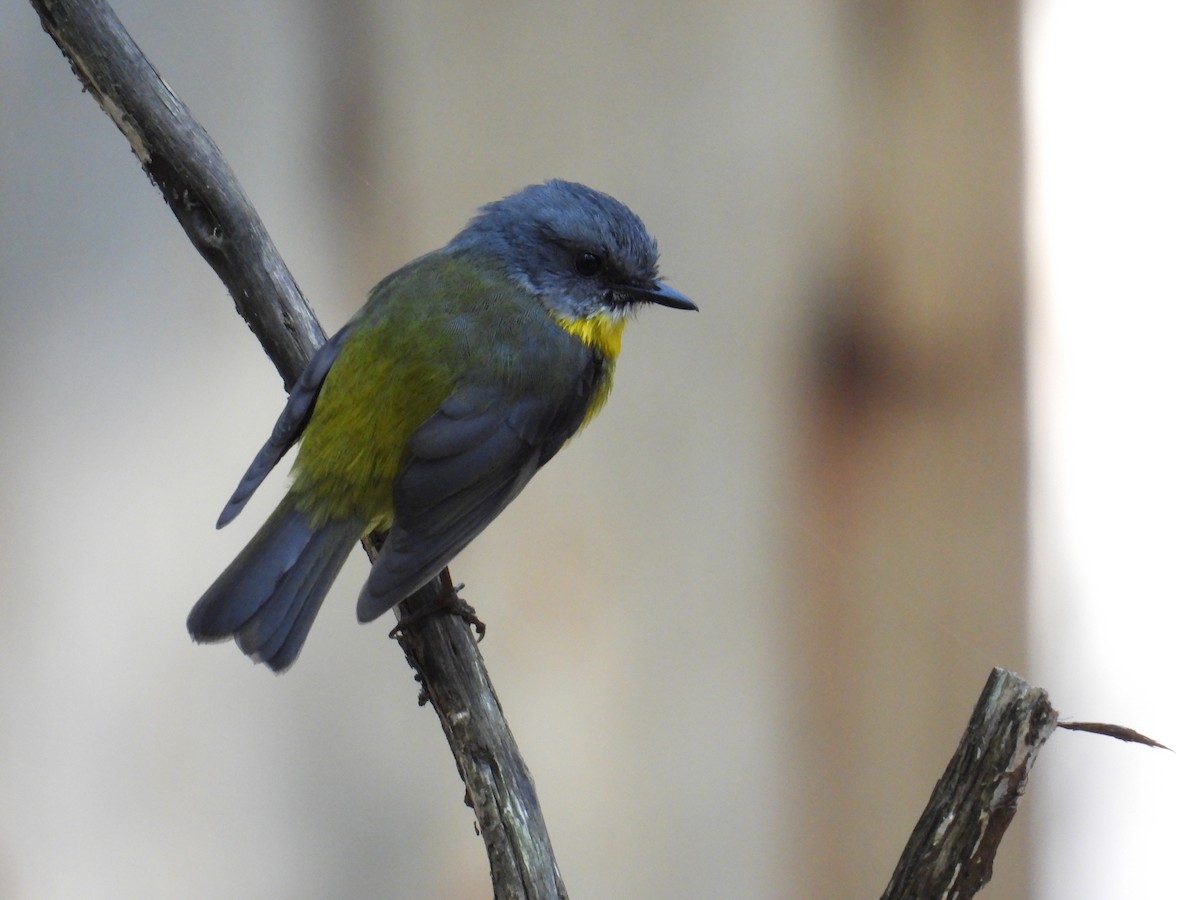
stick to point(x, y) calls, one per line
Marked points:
point(1120, 732)
point(194, 178)
point(950, 852)
point(203, 193)
point(499, 786)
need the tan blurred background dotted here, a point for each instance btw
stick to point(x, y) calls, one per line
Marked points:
point(737, 627)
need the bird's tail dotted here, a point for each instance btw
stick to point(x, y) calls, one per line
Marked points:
point(269, 596)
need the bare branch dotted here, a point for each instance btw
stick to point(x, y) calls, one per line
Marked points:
point(1120, 732)
point(951, 851)
point(203, 193)
point(194, 178)
point(499, 786)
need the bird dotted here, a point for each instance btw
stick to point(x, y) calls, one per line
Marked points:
point(462, 375)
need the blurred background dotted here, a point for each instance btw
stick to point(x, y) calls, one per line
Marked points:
point(937, 414)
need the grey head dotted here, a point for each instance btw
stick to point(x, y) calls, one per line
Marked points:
point(579, 250)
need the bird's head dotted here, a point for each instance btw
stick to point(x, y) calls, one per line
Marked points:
point(581, 252)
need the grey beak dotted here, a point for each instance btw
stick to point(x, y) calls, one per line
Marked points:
point(661, 294)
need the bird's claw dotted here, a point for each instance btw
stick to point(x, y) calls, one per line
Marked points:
point(448, 602)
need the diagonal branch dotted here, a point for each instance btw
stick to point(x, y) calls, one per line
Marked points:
point(185, 165)
point(192, 175)
point(950, 852)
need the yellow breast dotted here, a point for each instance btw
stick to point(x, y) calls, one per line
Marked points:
point(602, 332)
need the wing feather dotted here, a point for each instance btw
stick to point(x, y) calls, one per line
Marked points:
point(288, 426)
point(468, 461)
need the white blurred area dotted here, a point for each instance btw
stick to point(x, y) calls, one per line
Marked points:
point(1114, 247)
point(738, 625)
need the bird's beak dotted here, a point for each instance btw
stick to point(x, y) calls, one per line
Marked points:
point(662, 295)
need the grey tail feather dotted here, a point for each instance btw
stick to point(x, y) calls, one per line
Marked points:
point(269, 595)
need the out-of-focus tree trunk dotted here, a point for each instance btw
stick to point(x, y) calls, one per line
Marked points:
point(915, 467)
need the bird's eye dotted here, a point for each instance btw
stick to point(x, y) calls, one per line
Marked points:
point(588, 264)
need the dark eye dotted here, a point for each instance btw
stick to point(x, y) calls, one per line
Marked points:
point(588, 264)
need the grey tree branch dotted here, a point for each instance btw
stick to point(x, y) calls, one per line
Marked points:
point(499, 785)
point(950, 852)
point(192, 175)
point(185, 165)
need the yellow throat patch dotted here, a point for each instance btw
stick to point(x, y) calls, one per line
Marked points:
point(602, 332)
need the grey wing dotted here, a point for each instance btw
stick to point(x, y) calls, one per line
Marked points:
point(468, 461)
point(288, 426)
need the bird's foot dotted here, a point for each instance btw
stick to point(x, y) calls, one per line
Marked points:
point(448, 602)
